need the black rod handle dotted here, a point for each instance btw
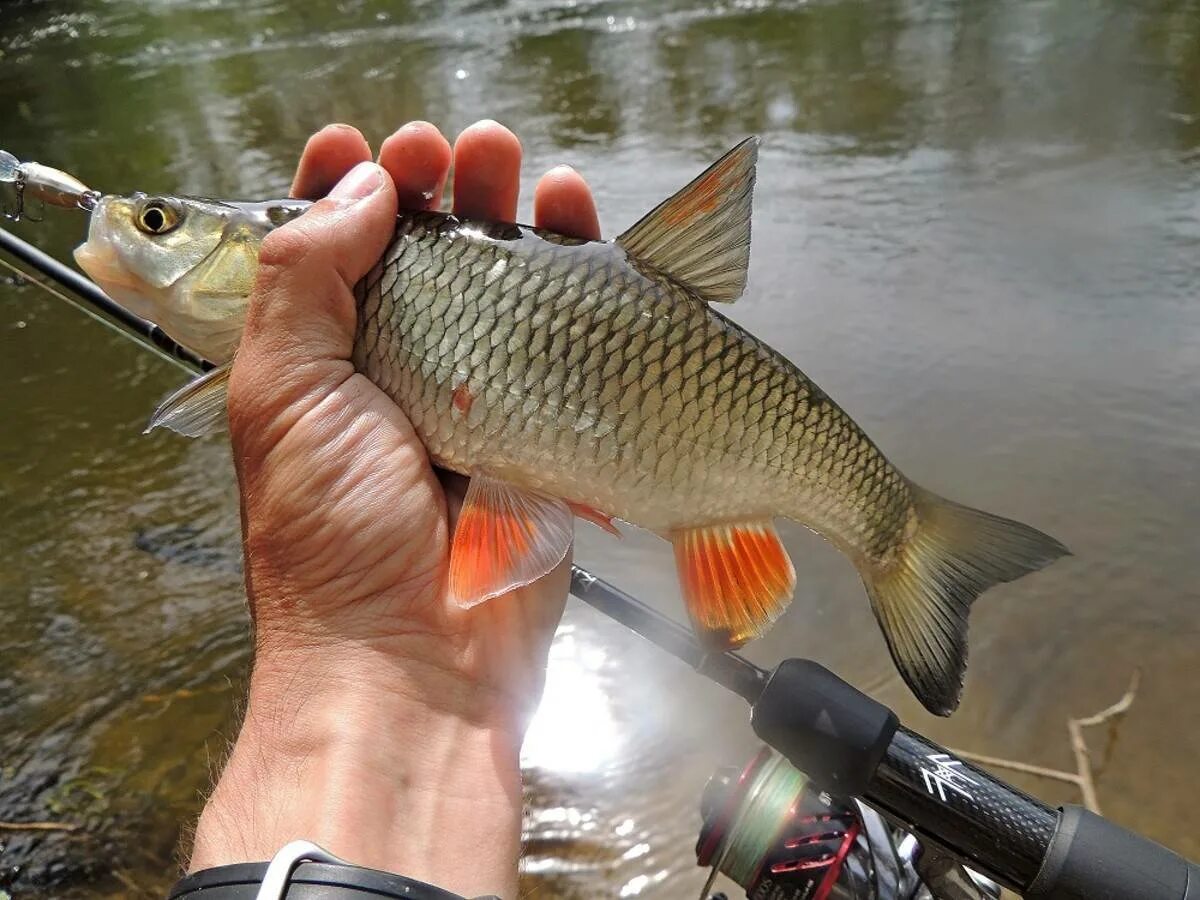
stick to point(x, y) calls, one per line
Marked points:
point(988, 824)
point(849, 744)
point(1091, 858)
point(826, 728)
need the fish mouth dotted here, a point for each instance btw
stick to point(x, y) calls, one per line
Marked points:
point(100, 262)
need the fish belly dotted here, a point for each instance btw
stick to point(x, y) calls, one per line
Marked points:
point(561, 366)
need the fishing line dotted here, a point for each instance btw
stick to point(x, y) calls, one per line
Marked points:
point(731, 671)
point(137, 329)
point(98, 317)
point(768, 804)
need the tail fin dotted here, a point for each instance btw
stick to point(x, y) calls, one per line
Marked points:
point(921, 599)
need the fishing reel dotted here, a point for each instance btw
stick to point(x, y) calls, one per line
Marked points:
point(774, 834)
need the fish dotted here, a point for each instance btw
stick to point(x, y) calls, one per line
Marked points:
point(599, 379)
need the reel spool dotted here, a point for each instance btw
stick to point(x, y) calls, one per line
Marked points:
point(772, 833)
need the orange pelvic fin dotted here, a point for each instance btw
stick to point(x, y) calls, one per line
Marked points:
point(506, 537)
point(736, 579)
point(594, 516)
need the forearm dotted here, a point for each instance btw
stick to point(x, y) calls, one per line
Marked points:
point(375, 765)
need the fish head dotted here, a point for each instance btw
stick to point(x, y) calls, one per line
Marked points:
point(185, 263)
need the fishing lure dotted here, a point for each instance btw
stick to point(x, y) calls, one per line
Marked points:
point(47, 185)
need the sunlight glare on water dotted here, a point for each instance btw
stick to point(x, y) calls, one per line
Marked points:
point(574, 729)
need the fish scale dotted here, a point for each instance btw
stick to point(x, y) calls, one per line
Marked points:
point(582, 378)
point(649, 417)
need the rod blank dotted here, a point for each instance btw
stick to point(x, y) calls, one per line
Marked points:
point(91, 293)
point(727, 669)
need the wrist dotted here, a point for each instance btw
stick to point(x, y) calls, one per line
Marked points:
point(388, 762)
point(487, 663)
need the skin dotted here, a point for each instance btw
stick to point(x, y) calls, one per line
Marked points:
point(382, 721)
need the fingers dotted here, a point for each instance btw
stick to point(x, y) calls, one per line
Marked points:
point(487, 162)
point(309, 267)
point(329, 154)
point(563, 202)
point(418, 159)
point(487, 172)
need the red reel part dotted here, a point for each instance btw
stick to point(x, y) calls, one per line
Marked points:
point(790, 846)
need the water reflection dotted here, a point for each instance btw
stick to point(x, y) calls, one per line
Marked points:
point(623, 816)
point(976, 225)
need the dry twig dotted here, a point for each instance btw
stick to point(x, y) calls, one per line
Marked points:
point(38, 826)
point(1084, 776)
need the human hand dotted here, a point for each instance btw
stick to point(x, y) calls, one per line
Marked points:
point(403, 712)
point(347, 526)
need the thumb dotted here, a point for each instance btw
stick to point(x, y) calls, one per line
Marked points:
point(301, 319)
point(302, 307)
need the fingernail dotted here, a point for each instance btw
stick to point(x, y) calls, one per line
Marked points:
point(362, 181)
point(416, 125)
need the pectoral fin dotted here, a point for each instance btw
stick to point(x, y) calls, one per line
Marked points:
point(506, 537)
point(701, 236)
point(197, 408)
point(736, 579)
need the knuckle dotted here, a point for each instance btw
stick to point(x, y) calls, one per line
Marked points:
point(284, 248)
point(305, 245)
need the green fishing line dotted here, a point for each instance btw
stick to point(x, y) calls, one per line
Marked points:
point(767, 806)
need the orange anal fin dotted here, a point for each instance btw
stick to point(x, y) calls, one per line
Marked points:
point(594, 516)
point(506, 537)
point(736, 579)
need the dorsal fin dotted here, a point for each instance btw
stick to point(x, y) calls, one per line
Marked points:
point(701, 236)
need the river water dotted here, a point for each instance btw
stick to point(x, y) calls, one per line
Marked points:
point(976, 226)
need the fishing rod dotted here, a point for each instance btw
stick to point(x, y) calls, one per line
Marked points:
point(95, 299)
point(759, 825)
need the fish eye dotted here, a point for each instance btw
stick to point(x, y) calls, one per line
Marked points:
point(157, 217)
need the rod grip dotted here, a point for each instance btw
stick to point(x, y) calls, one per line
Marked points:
point(827, 729)
point(1091, 858)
